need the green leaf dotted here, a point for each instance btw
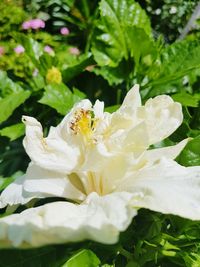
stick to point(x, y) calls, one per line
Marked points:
point(51, 256)
point(115, 75)
point(186, 99)
point(59, 97)
point(7, 86)
point(5, 181)
point(14, 131)
point(117, 19)
point(140, 46)
point(78, 95)
point(112, 109)
point(37, 82)
point(176, 61)
point(132, 264)
point(190, 156)
point(195, 123)
point(180, 57)
point(84, 258)
point(46, 62)
point(11, 102)
point(73, 71)
point(191, 260)
point(32, 48)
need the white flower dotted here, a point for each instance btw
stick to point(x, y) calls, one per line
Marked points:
point(102, 165)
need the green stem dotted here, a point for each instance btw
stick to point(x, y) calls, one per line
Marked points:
point(125, 253)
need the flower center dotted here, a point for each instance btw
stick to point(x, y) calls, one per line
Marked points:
point(83, 123)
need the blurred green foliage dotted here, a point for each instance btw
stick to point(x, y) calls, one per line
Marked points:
point(169, 17)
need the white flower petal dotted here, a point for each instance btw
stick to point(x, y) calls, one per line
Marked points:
point(105, 178)
point(131, 101)
point(114, 171)
point(50, 183)
point(14, 194)
point(162, 116)
point(170, 152)
point(96, 158)
point(136, 139)
point(99, 219)
point(167, 187)
point(39, 183)
point(50, 153)
point(83, 104)
point(125, 117)
point(98, 109)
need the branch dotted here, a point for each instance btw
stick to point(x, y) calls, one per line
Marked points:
point(191, 22)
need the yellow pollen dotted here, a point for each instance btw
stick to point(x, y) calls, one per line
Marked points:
point(83, 123)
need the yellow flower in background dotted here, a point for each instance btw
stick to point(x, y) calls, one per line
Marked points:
point(103, 166)
point(54, 76)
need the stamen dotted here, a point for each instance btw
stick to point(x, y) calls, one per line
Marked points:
point(83, 123)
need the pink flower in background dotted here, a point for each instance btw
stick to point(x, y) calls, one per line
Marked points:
point(74, 51)
point(19, 49)
point(33, 24)
point(48, 49)
point(64, 31)
point(37, 23)
point(26, 25)
point(2, 50)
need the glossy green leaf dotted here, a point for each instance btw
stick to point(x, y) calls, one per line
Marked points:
point(4, 182)
point(11, 102)
point(186, 99)
point(140, 46)
point(7, 86)
point(180, 57)
point(176, 61)
point(139, 43)
point(84, 258)
point(60, 97)
point(115, 75)
point(190, 156)
point(13, 132)
point(113, 37)
point(74, 70)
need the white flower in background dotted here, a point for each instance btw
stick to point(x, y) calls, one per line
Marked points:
point(102, 165)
